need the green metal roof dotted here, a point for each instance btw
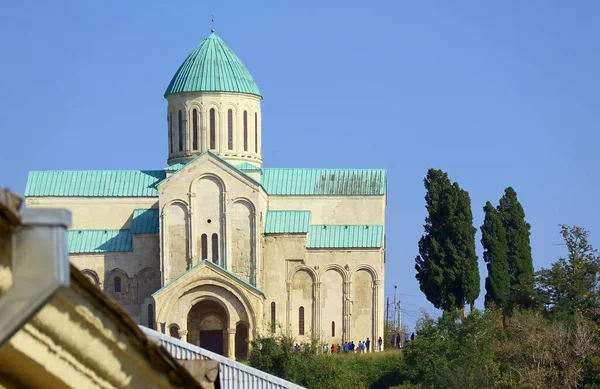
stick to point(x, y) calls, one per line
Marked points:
point(99, 241)
point(94, 183)
point(209, 263)
point(329, 236)
point(324, 182)
point(212, 67)
point(287, 222)
point(145, 221)
point(142, 183)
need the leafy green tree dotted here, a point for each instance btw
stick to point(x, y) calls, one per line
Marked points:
point(571, 285)
point(520, 262)
point(495, 254)
point(447, 268)
point(453, 353)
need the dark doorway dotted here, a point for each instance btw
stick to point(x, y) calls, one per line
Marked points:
point(241, 342)
point(207, 322)
point(212, 340)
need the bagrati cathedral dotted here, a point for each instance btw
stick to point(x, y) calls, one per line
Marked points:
point(216, 250)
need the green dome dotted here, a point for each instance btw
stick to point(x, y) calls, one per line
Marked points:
point(212, 67)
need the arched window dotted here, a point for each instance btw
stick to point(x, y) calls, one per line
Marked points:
point(150, 316)
point(273, 317)
point(174, 331)
point(230, 129)
point(195, 130)
point(245, 131)
point(332, 328)
point(213, 137)
point(255, 132)
point(180, 131)
point(117, 285)
point(204, 247)
point(171, 131)
point(301, 320)
point(215, 248)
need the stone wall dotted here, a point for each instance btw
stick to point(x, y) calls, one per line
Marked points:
point(95, 213)
point(339, 285)
point(138, 272)
point(335, 209)
point(221, 103)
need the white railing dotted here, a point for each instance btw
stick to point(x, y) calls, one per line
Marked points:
point(232, 374)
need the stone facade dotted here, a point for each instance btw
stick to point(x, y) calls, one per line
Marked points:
point(212, 272)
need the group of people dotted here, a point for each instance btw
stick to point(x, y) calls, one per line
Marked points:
point(362, 346)
point(397, 339)
point(350, 347)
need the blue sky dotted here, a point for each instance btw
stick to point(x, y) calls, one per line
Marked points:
point(494, 93)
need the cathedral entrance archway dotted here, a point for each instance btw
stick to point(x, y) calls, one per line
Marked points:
point(207, 325)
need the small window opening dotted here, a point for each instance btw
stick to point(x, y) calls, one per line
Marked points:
point(230, 129)
point(171, 131)
point(117, 285)
point(150, 316)
point(301, 321)
point(256, 132)
point(204, 244)
point(273, 318)
point(215, 248)
point(245, 130)
point(195, 130)
point(213, 137)
point(180, 120)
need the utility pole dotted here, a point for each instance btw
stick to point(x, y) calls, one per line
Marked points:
point(395, 306)
point(387, 313)
point(400, 315)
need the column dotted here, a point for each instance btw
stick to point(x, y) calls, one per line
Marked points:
point(221, 135)
point(347, 311)
point(186, 132)
point(224, 235)
point(183, 335)
point(163, 249)
point(231, 343)
point(375, 313)
point(317, 308)
point(288, 311)
point(192, 229)
point(253, 250)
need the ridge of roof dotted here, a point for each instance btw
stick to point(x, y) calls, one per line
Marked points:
point(209, 152)
point(211, 263)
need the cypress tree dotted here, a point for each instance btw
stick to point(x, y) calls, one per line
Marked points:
point(495, 254)
point(447, 265)
point(466, 244)
point(520, 262)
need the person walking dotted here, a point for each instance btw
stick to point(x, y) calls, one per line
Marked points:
point(368, 344)
point(379, 343)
